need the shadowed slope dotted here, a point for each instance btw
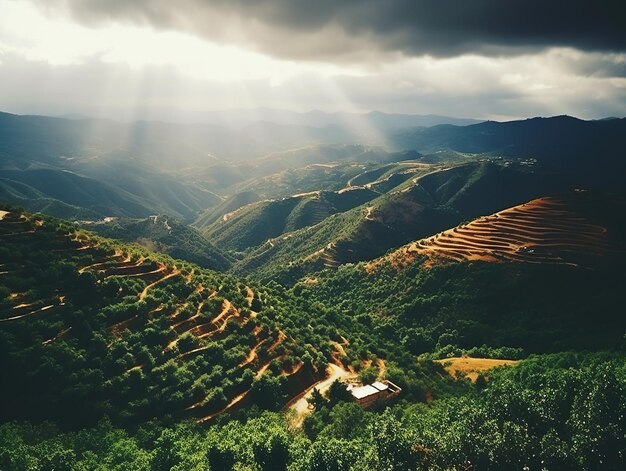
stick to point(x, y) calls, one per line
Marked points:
point(561, 229)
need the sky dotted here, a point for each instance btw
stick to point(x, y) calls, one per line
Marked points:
point(177, 60)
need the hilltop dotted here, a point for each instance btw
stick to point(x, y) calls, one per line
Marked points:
point(580, 229)
point(415, 200)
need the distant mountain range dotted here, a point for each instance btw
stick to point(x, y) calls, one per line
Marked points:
point(245, 117)
point(317, 118)
point(89, 169)
point(593, 151)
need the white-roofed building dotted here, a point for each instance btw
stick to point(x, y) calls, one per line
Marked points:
point(370, 393)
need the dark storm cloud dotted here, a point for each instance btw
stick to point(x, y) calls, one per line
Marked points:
point(309, 29)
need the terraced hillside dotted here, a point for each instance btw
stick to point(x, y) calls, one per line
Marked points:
point(425, 200)
point(89, 326)
point(564, 229)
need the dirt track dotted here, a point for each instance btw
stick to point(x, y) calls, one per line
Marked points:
point(300, 403)
point(144, 293)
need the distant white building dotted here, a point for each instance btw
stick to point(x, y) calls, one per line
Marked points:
point(367, 395)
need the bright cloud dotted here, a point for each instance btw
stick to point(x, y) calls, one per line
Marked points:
point(51, 63)
point(27, 31)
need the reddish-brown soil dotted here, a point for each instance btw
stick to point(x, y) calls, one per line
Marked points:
point(163, 269)
point(472, 367)
point(188, 317)
point(557, 230)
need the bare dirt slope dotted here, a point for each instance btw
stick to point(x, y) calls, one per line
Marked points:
point(573, 229)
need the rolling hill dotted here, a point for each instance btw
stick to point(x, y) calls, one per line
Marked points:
point(580, 228)
point(26, 139)
point(432, 199)
point(96, 168)
point(93, 328)
point(374, 119)
point(185, 171)
point(292, 171)
point(97, 327)
point(255, 223)
point(166, 235)
point(63, 193)
point(584, 150)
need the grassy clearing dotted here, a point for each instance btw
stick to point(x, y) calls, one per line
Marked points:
point(471, 368)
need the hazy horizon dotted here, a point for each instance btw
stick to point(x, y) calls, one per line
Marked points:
point(255, 115)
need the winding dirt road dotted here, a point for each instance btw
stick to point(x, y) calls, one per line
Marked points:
point(300, 403)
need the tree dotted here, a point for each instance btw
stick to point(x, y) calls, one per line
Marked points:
point(220, 457)
point(338, 392)
point(187, 342)
point(396, 450)
point(368, 375)
point(316, 400)
point(334, 455)
point(348, 420)
point(166, 452)
point(268, 391)
point(59, 460)
point(273, 453)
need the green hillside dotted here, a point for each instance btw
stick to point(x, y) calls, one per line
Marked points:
point(183, 361)
point(294, 170)
point(128, 192)
point(520, 419)
point(313, 177)
point(581, 149)
point(228, 205)
point(438, 199)
point(102, 328)
point(36, 189)
point(470, 278)
point(255, 223)
point(166, 235)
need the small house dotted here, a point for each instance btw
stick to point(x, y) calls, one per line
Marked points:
point(369, 394)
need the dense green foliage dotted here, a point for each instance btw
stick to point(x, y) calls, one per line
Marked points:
point(454, 308)
point(75, 345)
point(431, 201)
point(166, 235)
point(104, 378)
point(551, 412)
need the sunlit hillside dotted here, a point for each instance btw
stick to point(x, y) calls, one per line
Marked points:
point(312, 236)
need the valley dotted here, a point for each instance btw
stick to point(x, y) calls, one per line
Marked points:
point(202, 315)
point(312, 236)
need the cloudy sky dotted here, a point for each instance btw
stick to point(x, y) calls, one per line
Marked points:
point(174, 60)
